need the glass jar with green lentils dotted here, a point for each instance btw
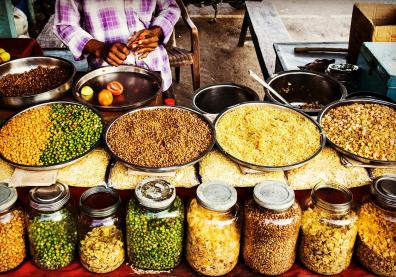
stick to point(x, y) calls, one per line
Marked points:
point(155, 226)
point(52, 227)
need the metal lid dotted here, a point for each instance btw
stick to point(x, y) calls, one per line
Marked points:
point(154, 193)
point(51, 198)
point(384, 191)
point(8, 196)
point(273, 195)
point(106, 199)
point(332, 197)
point(217, 196)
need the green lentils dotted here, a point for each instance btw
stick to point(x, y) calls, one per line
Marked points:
point(53, 239)
point(74, 130)
point(155, 238)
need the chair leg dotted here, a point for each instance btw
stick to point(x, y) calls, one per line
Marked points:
point(196, 75)
point(177, 73)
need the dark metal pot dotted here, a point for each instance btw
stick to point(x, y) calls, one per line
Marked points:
point(298, 86)
point(213, 99)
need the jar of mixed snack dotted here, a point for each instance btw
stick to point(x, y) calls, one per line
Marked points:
point(271, 225)
point(376, 247)
point(52, 227)
point(328, 229)
point(100, 231)
point(154, 226)
point(12, 230)
point(213, 229)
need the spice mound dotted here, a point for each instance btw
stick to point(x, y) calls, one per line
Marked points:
point(34, 81)
point(267, 136)
point(50, 134)
point(102, 249)
point(159, 137)
point(213, 240)
point(327, 241)
point(53, 239)
point(12, 240)
point(366, 130)
point(377, 245)
point(270, 238)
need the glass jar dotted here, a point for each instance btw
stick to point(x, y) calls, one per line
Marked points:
point(376, 247)
point(100, 230)
point(12, 230)
point(271, 225)
point(328, 229)
point(52, 227)
point(213, 229)
point(154, 226)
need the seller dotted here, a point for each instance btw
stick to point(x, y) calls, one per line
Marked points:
point(119, 32)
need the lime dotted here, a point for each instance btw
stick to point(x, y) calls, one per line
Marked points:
point(2, 50)
point(87, 91)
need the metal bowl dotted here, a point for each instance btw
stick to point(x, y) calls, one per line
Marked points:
point(272, 168)
point(215, 98)
point(59, 165)
point(25, 64)
point(299, 87)
point(168, 168)
point(343, 151)
point(140, 86)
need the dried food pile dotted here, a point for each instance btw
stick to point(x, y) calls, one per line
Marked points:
point(34, 81)
point(267, 135)
point(366, 130)
point(50, 134)
point(159, 137)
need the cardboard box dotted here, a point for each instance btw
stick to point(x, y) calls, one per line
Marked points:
point(371, 22)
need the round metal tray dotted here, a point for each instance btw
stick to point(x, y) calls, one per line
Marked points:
point(264, 167)
point(168, 168)
point(140, 86)
point(54, 166)
point(25, 64)
point(343, 151)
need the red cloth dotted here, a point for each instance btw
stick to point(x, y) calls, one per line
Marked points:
point(241, 270)
point(21, 47)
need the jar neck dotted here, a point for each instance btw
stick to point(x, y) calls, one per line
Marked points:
point(335, 199)
point(151, 209)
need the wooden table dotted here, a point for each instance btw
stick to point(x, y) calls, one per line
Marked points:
point(263, 22)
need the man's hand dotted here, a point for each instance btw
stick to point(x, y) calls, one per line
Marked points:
point(145, 41)
point(114, 54)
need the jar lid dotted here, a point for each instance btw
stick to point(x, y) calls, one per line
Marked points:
point(155, 193)
point(217, 196)
point(100, 201)
point(384, 191)
point(273, 195)
point(49, 198)
point(8, 196)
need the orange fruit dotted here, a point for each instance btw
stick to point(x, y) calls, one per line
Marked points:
point(105, 98)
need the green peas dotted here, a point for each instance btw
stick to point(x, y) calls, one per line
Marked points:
point(155, 238)
point(53, 239)
point(74, 130)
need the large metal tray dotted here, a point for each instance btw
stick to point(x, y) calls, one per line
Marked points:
point(140, 86)
point(25, 64)
point(59, 165)
point(169, 168)
point(343, 151)
point(264, 167)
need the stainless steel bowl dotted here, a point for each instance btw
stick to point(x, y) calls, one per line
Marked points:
point(343, 151)
point(215, 98)
point(140, 86)
point(169, 168)
point(25, 64)
point(299, 87)
point(59, 165)
point(271, 168)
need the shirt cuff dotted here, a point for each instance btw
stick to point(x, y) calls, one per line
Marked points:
point(78, 42)
point(165, 25)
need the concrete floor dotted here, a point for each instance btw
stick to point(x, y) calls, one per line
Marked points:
point(223, 61)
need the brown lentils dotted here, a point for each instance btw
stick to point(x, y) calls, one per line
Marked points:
point(12, 240)
point(270, 238)
point(159, 137)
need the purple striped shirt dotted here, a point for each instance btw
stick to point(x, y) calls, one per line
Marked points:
point(110, 21)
